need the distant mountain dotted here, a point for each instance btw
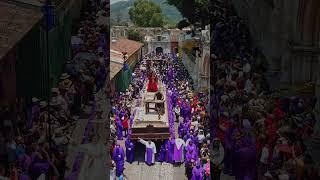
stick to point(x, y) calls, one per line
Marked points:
point(115, 1)
point(119, 11)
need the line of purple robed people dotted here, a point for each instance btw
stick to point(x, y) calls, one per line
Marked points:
point(174, 150)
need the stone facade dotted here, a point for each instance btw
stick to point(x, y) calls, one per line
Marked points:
point(122, 31)
point(168, 37)
point(285, 32)
point(205, 60)
point(159, 42)
point(198, 65)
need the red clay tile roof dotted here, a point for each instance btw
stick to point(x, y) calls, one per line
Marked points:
point(15, 22)
point(116, 56)
point(126, 45)
point(116, 63)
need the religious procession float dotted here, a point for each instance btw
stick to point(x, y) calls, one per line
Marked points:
point(151, 119)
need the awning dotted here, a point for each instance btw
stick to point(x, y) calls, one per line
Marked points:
point(15, 23)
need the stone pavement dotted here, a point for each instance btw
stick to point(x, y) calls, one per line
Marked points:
point(81, 124)
point(77, 136)
point(158, 171)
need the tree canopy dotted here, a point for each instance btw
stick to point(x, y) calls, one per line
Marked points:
point(146, 14)
point(195, 11)
point(134, 35)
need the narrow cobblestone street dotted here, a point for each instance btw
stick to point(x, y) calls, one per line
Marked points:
point(159, 171)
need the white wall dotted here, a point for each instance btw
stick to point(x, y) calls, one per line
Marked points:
point(166, 46)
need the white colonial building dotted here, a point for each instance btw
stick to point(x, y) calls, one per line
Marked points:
point(160, 43)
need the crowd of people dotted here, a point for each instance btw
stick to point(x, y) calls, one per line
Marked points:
point(191, 114)
point(187, 111)
point(36, 146)
point(121, 119)
point(258, 134)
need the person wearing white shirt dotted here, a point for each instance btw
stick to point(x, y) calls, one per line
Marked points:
point(196, 125)
point(201, 136)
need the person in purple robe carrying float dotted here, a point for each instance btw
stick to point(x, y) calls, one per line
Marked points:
point(118, 158)
point(178, 155)
point(129, 150)
point(151, 150)
point(197, 172)
point(162, 152)
point(170, 149)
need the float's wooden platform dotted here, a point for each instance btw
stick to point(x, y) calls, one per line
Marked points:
point(147, 125)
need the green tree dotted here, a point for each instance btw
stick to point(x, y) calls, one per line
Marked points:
point(134, 35)
point(195, 11)
point(156, 20)
point(146, 14)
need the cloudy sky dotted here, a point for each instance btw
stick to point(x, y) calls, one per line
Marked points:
point(114, 1)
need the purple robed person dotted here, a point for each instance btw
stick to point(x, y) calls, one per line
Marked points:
point(197, 172)
point(118, 157)
point(182, 110)
point(188, 110)
point(190, 156)
point(172, 145)
point(119, 128)
point(23, 176)
point(40, 167)
point(24, 161)
point(245, 159)
point(150, 151)
point(162, 153)
point(129, 150)
point(174, 98)
point(180, 129)
point(178, 150)
point(186, 136)
point(194, 139)
point(168, 151)
point(35, 114)
point(191, 146)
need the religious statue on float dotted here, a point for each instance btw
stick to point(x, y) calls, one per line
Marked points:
point(152, 84)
